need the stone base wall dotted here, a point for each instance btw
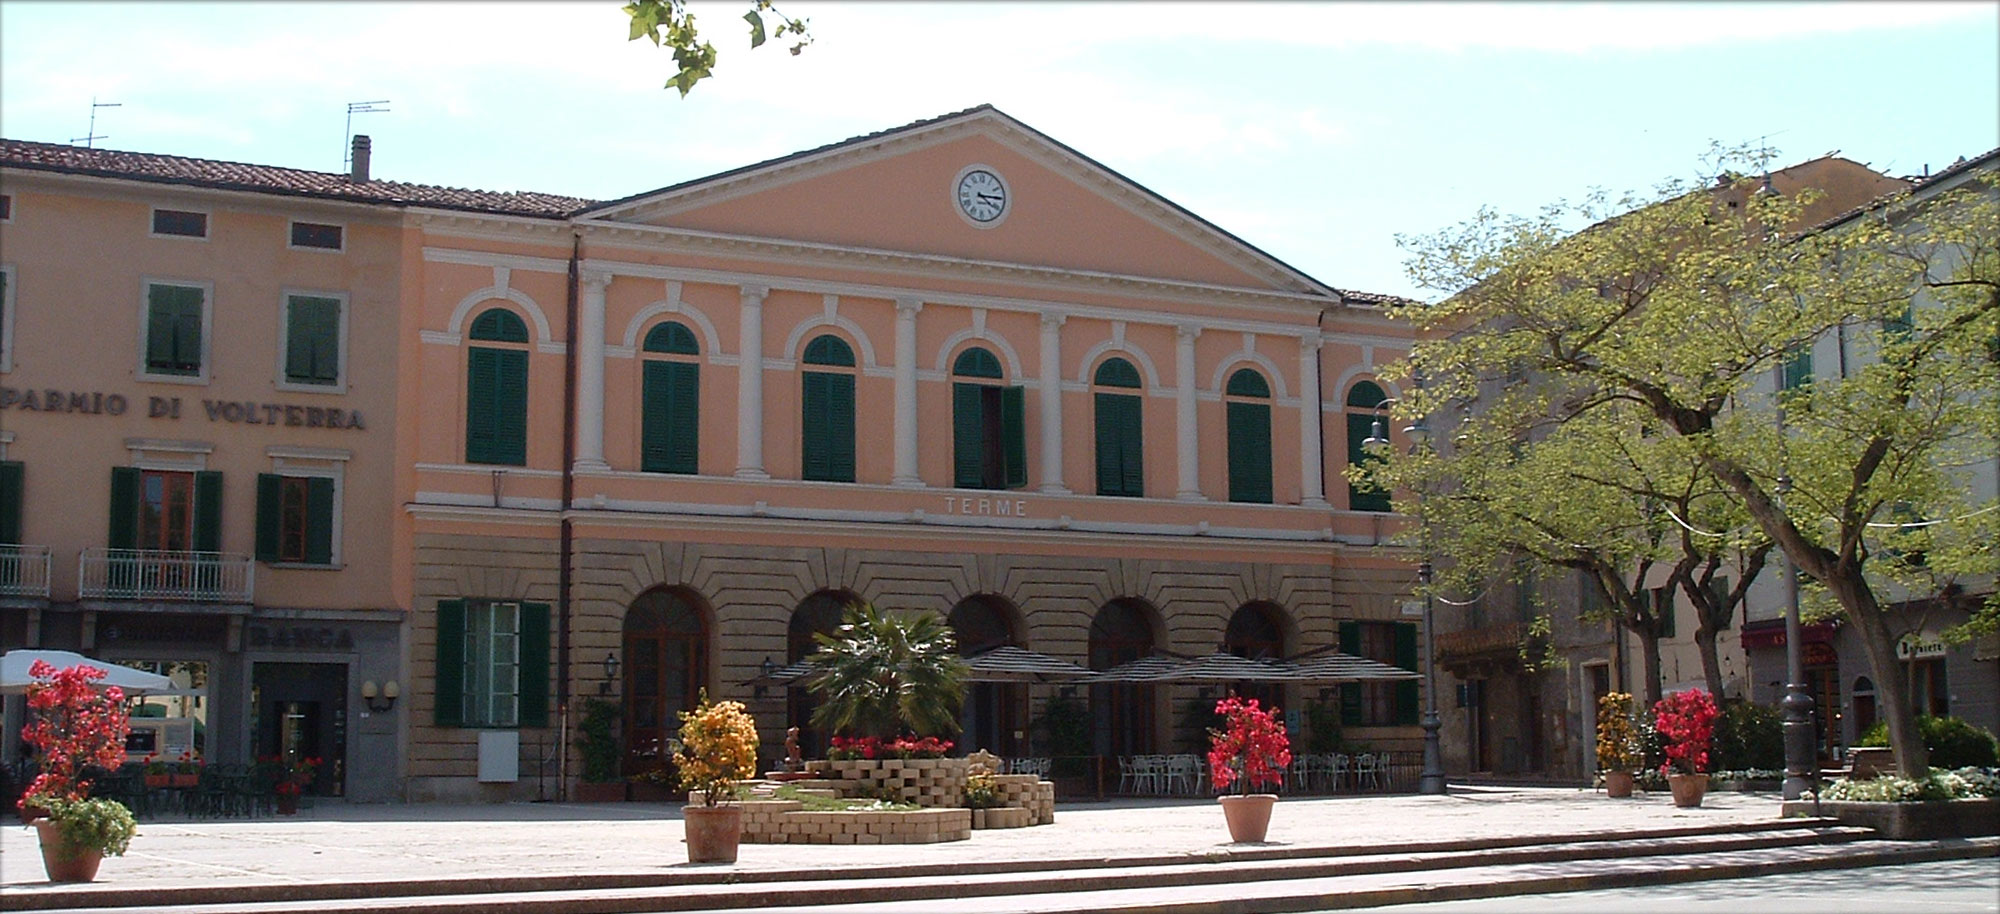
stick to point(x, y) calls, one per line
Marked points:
point(787, 822)
point(1909, 821)
point(1028, 794)
point(931, 782)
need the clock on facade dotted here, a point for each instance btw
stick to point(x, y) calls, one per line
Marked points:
point(982, 195)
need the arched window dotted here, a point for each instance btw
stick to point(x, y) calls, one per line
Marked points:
point(1257, 631)
point(496, 390)
point(1362, 400)
point(1247, 409)
point(666, 666)
point(670, 401)
point(989, 441)
point(826, 427)
point(817, 614)
point(1122, 713)
point(1120, 432)
point(994, 711)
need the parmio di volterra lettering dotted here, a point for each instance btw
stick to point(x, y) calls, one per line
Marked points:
point(244, 412)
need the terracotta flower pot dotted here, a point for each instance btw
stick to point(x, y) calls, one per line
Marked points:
point(157, 781)
point(1617, 783)
point(712, 832)
point(288, 804)
point(63, 861)
point(184, 780)
point(1249, 815)
point(1688, 788)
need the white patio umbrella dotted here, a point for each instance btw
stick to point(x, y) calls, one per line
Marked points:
point(14, 678)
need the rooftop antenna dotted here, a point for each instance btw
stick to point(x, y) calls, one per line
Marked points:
point(354, 108)
point(91, 138)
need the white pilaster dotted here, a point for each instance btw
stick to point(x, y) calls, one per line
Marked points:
point(1186, 441)
point(750, 386)
point(1052, 451)
point(906, 393)
point(1312, 427)
point(590, 374)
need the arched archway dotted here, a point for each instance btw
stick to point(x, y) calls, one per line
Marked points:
point(995, 715)
point(1259, 631)
point(818, 614)
point(1123, 714)
point(665, 669)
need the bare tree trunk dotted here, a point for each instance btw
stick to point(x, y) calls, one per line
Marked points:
point(1711, 666)
point(1649, 643)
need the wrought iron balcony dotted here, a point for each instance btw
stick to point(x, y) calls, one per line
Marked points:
point(1486, 641)
point(24, 571)
point(164, 575)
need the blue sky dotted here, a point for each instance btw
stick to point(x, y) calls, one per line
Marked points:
point(1317, 131)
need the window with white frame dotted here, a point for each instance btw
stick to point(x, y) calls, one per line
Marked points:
point(180, 223)
point(318, 236)
point(492, 665)
point(314, 353)
point(298, 506)
point(173, 332)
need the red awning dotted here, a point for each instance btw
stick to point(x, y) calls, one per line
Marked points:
point(1771, 633)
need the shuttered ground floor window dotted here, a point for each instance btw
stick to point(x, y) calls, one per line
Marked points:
point(1380, 704)
point(492, 664)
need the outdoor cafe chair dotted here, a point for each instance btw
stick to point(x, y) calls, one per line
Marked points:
point(1336, 770)
point(1181, 770)
point(1368, 771)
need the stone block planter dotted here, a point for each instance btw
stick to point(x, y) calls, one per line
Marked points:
point(1910, 821)
point(930, 783)
point(786, 822)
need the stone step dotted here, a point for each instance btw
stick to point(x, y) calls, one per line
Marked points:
point(958, 884)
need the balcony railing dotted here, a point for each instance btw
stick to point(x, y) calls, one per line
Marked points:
point(174, 576)
point(24, 571)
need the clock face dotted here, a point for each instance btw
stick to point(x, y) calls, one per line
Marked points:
point(981, 196)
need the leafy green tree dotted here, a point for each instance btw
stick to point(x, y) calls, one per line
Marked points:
point(668, 23)
point(1671, 315)
point(883, 675)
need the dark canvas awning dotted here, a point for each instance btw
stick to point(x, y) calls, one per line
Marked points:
point(1327, 666)
point(1216, 667)
point(790, 674)
point(1008, 663)
point(1144, 669)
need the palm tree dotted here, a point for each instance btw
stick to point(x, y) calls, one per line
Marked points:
point(882, 675)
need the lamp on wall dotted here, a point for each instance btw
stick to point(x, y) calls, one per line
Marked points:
point(765, 670)
point(610, 673)
point(380, 699)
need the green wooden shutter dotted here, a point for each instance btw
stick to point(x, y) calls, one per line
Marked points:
point(534, 669)
point(1132, 447)
point(1406, 657)
point(173, 329)
point(124, 531)
point(1110, 466)
point(319, 521)
point(814, 447)
point(840, 428)
point(496, 406)
point(1350, 692)
point(208, 511)
point(1014, 434)
point(270, 510)
point(968, 437)
point(312, 340)
point(670, 431)
point(11, 473)
point(449, 709)
point(1249, 452)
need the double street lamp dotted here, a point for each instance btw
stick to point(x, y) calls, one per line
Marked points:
point(1431, 780)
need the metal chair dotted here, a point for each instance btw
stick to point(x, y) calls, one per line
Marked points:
point(1368, 771)
point(1336, 770)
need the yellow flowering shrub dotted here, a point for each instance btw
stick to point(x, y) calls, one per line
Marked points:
point(1617, 739)
point(717, 748)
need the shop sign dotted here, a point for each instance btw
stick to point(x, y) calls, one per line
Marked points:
point(1919, 645)
point(243, 412)
point(299, 637)
point(1817, 654)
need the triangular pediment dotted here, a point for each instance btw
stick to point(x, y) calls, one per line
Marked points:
point(898, 191)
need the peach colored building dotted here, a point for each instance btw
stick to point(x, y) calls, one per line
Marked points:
point(645, 447)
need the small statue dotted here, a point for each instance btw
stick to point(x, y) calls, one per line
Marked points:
point(792, 762)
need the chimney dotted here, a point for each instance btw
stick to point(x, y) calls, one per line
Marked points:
point(360, 157)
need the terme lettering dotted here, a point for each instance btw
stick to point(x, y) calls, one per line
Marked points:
point(988, 507)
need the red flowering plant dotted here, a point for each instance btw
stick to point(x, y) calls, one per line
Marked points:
point(75, 727)
point(1250, 749)
point(842, 748)
point(291, 778)
point(1686, 723)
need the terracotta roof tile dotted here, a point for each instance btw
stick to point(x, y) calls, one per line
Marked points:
point(171, 169)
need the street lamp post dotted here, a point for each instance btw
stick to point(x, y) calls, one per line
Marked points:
point(1801, 758)
point(1432, 779)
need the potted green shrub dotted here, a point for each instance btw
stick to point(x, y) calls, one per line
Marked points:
point(74, 728)
point(889, 687)
point(598, 745)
